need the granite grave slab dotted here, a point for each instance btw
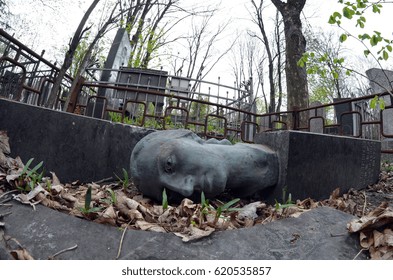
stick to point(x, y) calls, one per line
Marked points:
point(313, 165)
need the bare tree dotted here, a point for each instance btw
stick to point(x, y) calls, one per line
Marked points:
point(248, 62)
point(4, 14)
point(279, 51)
point(296, 76)
point(79, 33)
point(148, 29)
point(258, 20)
point(202, 55)
point(106, 26)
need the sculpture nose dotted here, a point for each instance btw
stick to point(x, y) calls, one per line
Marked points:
point(183, 186)
point(187, 188)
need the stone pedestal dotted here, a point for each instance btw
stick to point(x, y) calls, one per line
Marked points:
point(313, 165)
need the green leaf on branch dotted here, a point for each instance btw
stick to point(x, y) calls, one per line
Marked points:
point(377, 8)
point(374, 40)
point(385, 55)
point(343, 38)
point(373, 102)
point(348, 13)
point(365, 36)
point(366, 53)
point(335, 18)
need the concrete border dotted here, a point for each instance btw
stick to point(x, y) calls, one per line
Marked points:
point(75, 147)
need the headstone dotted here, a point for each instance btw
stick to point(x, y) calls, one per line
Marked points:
point(313, 165)
point(380, 79)
point(317, 118)
point(118, 56)
point(145, 79)
point(347, 122)
point(387, 145)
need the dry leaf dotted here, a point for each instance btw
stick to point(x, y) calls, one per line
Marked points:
point(388, 237)
point(21, 254)
point(335, 194)
point(107, 217)
point(381, 216)
point(55, 179)
point(143, 225)
point(250, 210)
point(365, 240)
point(378, 238)
point(194, 233)
point(4, 143)
point(51, 203)
point(56, 189)
point(68, 197)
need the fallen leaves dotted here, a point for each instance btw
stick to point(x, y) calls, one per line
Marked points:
point(376, 233)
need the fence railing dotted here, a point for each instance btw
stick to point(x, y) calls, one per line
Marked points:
point(25, 75)
point(209, 109)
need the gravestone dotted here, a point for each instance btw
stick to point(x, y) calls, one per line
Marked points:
point(317, 118)
point(346, 121)
point(380, 79)
point(145, 79)
point(313, 165)
point(118, 56)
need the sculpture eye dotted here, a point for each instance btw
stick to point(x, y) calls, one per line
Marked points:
point(169, 165)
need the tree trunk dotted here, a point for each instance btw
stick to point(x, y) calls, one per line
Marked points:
point(52, 100)
point(296, 76)
point(279, 61)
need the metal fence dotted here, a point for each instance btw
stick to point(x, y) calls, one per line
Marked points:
point(25, 75)
point(157, 100)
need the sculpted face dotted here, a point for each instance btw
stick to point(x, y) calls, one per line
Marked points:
point(179, 161)
point(186, 166)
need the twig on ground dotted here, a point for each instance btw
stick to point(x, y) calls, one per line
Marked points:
point(104, 180)
point(5, 200)
point(365, 203)
point(62, 251)
point(357, 255)
point(121, 240)
point(5, 214)
point(4, 194)
point(338, 234)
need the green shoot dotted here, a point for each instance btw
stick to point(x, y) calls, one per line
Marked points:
point(226, 207)
point(28, 179)
point(87, 209)
point(125, 182)
point(113, 196)
point(164, 200)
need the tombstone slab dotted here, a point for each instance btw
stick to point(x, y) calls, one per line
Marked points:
point(313, 165)
point(45, 232)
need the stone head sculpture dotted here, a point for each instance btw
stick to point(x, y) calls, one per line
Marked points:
point(181, 162)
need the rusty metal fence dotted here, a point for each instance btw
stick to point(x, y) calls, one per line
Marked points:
point(25, 75)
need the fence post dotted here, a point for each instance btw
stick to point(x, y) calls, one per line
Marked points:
point(295, 117)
